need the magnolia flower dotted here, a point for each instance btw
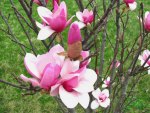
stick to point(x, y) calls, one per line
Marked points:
point(38, 2)
point(101, 98)
point(55, 21)
point(131, 4)
point(75, 84)
point(45, 69)
point(86, 17)
point(147, 21)
point(106, 83)
point(144, 57)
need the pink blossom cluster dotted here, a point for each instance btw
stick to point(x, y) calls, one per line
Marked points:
point(60, 75)
point(64, 75)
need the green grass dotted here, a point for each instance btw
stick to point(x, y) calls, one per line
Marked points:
point(11, 99)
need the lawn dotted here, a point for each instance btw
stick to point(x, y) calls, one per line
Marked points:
point(11, 62)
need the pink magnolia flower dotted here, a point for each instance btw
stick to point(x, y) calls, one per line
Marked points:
point(101, 98)
point(106, 83)
point(117, 64)
point(45, 69)
point(147, 21)
point(38, 2)
point(56, 21)
point(131, 4)
point(86, 17)
point(144, 57)
point(75, 84)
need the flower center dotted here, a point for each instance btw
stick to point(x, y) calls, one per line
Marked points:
point(102, 97)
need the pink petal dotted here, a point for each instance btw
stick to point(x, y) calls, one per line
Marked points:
point(45, 32)
point(84, 99)
point(79, 16)
point(59, 59)
point(84, 87)
point(56, 49)
point(96, 93)
point(106, 103)
point(106, 92)
point(30, 63)
point(74, 34)
point(90, 76)
point(70, 84)
point(58, 21)
point(84, 55)
point(55, 5)
point(69, 66)
point(42, 61)
point(94, 104)
point(54, 90)
point(70, 99)
point(63, 6)
point(69, 21)
point(44, 12)
point(87, 16)
point(33, 81)
point(50, 76)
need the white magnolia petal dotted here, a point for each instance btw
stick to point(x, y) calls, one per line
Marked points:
point(39, 25)
point(108, 78)
point(96, 93)
point(80, 24)
point(30, 63)
point(44, 12)
point(146, 14)
point(94, 104)
point(106, 92)
point(54, 90)
point(79, 16)
point(70, 99)
point(69, 66)
point(106, 103)
point(90, 75)
point(132, 6)
point(45, 32)
point(84, 87)
point(104, 86)
point(84, 100)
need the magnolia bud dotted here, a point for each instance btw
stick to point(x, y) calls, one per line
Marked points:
point(74, 42)
point(74, 34)
point(147, 21)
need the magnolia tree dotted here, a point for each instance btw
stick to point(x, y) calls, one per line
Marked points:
point(69, 75)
